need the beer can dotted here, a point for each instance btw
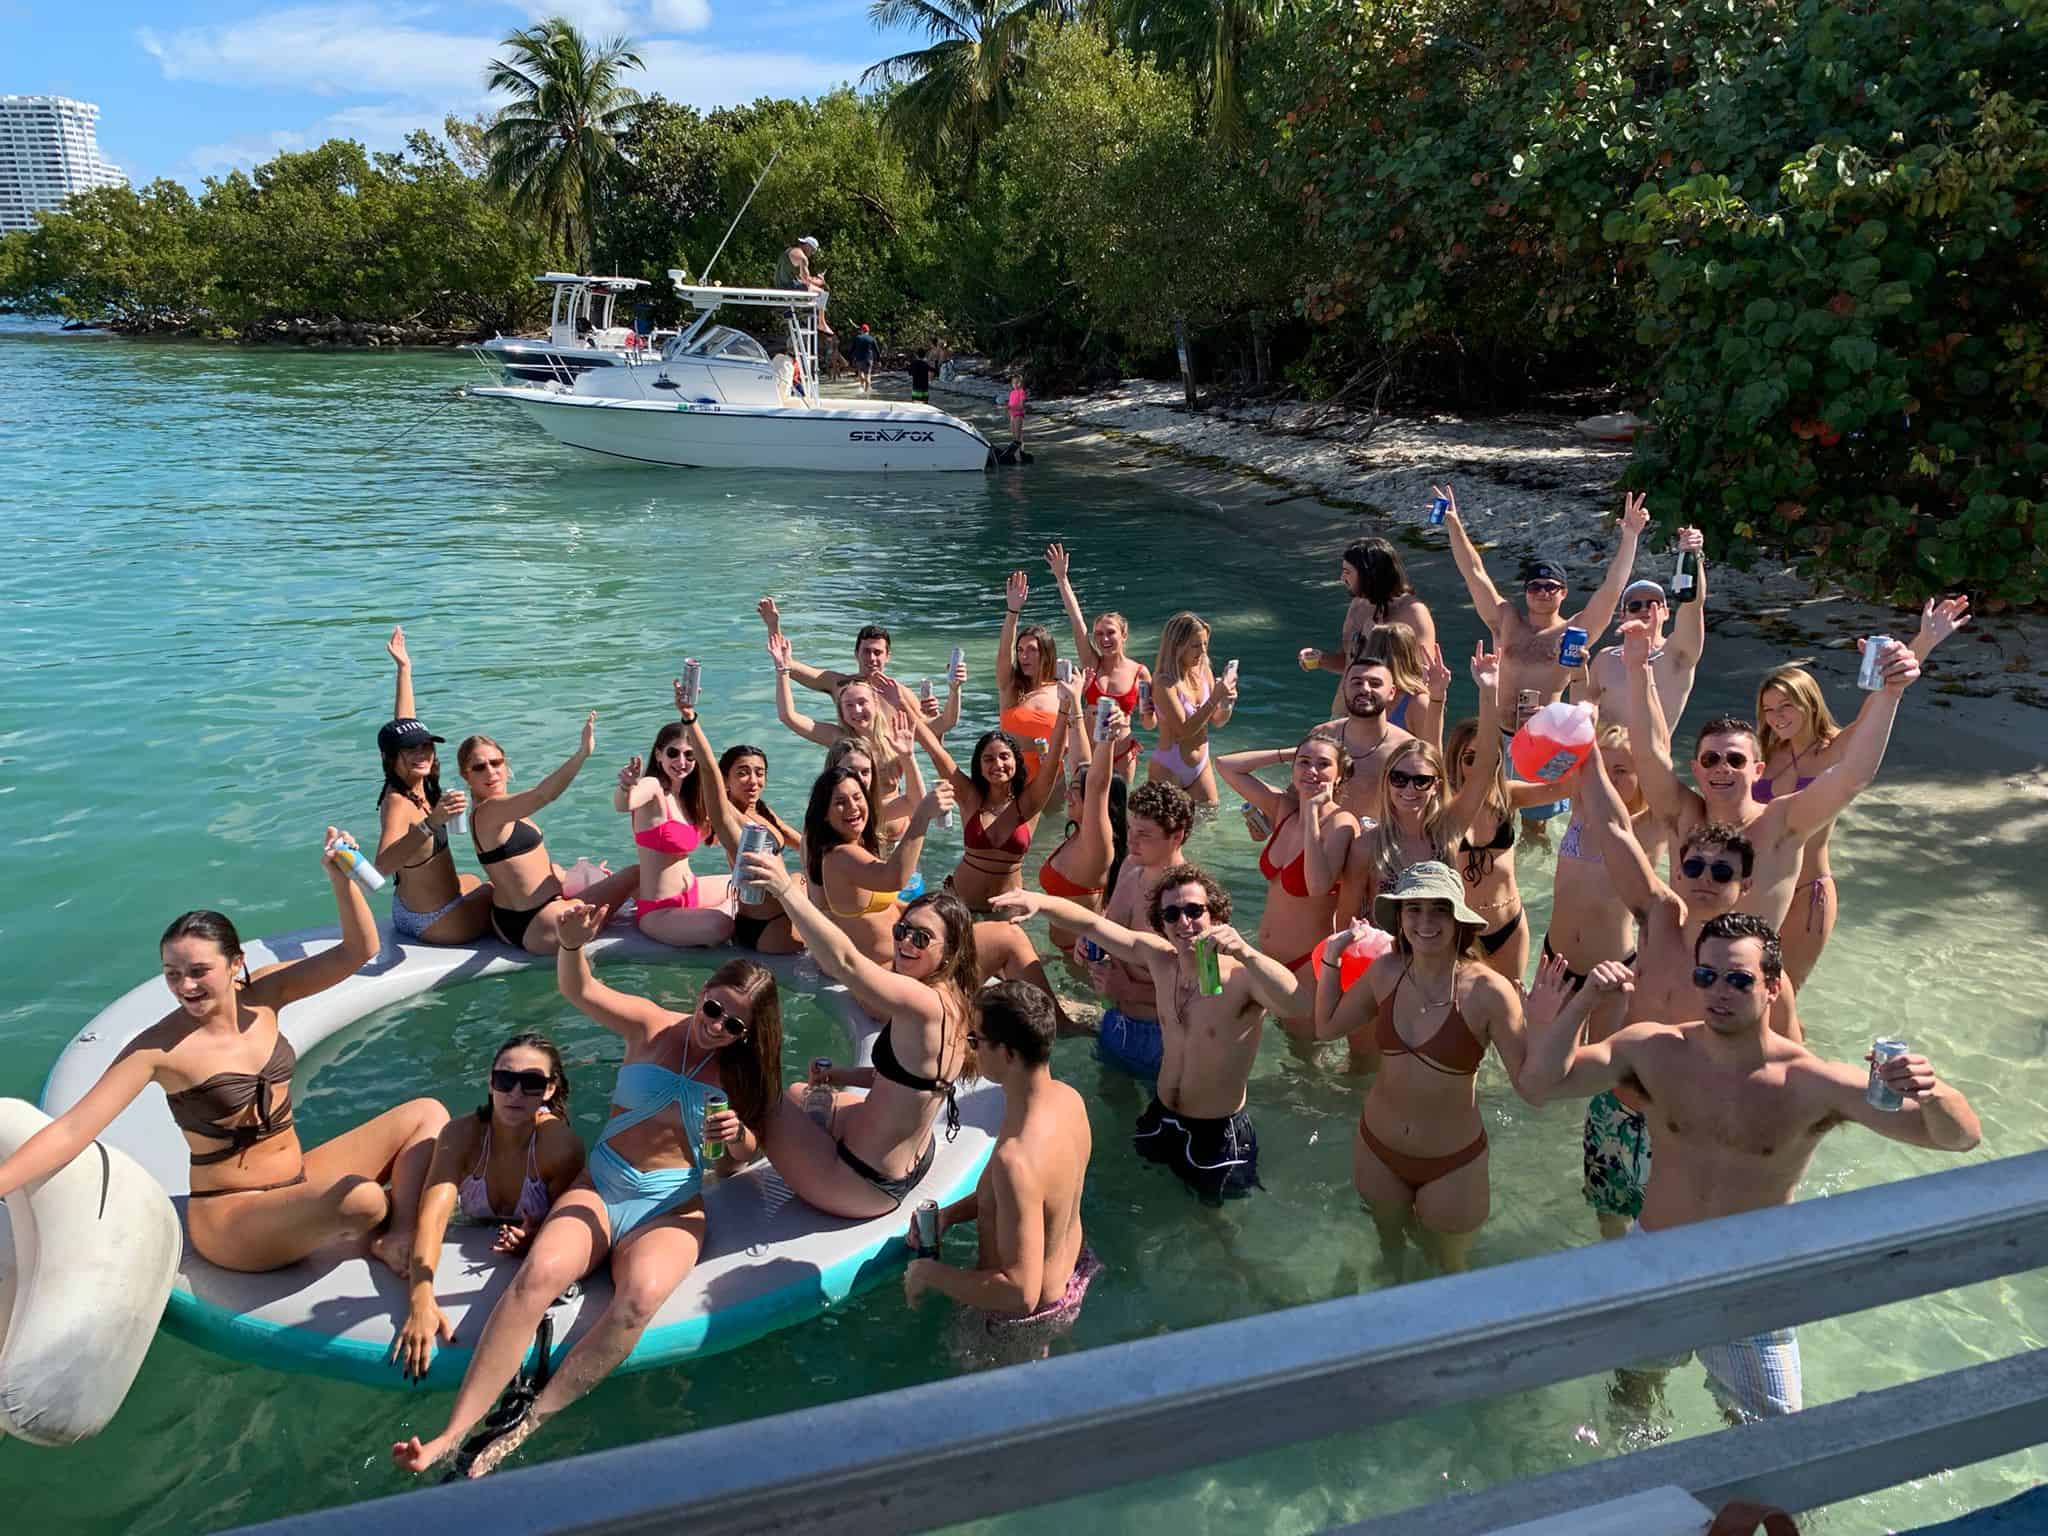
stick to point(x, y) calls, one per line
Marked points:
point(1878, 1092)
point(928, 1228)
point(692, 682)
point(925, 691)
point(1437, 509)
point(1063, 670)
point(754, 838)
point(1870, 672)
point(1255, 821)
point(1144, 695)
point(1091, 951)
point(953, 665)
point(1208, 967)
point(1571, 650)
point(714, 1149)
point(1104, 708)
point(820, 1065)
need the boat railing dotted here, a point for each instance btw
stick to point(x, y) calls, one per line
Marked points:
point(1082, 1423)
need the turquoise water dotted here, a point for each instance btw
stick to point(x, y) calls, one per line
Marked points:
point(208, 549)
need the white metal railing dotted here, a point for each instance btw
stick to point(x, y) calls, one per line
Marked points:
point(971, 1446)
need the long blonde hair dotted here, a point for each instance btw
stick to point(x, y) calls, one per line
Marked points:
point(1798, 685)
point(1383, 842)
point(1397, 648)
point(1181, 631)
point(1614, 734)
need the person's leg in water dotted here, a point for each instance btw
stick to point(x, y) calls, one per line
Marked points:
point(1451, 1210)
point(1387, 1198)
point(647, 1266)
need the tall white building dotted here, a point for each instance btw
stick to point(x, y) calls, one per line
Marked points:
point(47, 152)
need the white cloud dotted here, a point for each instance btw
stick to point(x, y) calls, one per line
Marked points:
point(328, 50)
point(243, 153)
point(595, 19)
point(680, 15)
point(706, 77)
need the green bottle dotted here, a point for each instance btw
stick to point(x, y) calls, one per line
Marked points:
point(1208, 968)
point(714, 1149)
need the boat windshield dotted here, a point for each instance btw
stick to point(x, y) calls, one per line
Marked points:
point(724, 341)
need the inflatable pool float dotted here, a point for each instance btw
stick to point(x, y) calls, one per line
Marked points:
point(1621, 427)
point(769, 1261)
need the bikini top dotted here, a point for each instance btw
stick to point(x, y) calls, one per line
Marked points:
point(886, 1065)
point(674, 836)
point(1763, 794)
point(1479, 856)
point(524, 838)
point(974, 835)
point(877, 903)
point(205, 1108)
point(1569, 846)
point(1092, 691)
point(646, 1088)
point(1294, 878)
point(473, 1193)
point(440, 845)
point(1453, 1050)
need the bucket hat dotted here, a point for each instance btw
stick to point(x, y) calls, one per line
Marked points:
point(1428, 881)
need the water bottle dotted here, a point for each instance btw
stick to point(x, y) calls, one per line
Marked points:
point(818, 1099)
point(692, 682)
point(1870, 671)
point(1684, 580)
point(360, 869)
point(714, 1149)
point(754, 838)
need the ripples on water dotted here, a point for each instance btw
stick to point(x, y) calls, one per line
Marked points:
point(209, 547)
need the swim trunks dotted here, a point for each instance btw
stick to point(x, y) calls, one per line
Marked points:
point(1129, 1044)
point(1617, 1157)
point(1757, 1377)
point(1217, 1159)
point(1061, 1311)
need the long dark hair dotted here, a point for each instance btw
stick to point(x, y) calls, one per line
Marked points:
point(1119, 822)
point(558, 1099)
point(962, 968)
point(430, 787)
point(689, 789)
point(750, 1069)
point(733, 754)
point(820, 836)
point(214, 927)
point(974, 775)
point(1048, 658)
point(1381, 578)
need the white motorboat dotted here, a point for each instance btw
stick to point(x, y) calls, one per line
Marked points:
point(714, 399)
point(581, 335)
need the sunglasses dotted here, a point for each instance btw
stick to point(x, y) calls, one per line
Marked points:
point(1723, 873)
point(682, 752)
point(505, 1080)
point(1637, 605)
point(1402, 779)
point(1732, 759)
point(1704, 977)
point(919, 938)
point(717, 1013)
point(1173, 912)
point(1542, 586)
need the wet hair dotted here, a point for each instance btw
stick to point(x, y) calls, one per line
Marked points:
point(1188, 874)
point(750, 1068)
point(1719, 836)
point(872, 632)
point(1463, 735)
point(820, 836)
point(558, 1097)
point(1019, 1017)
point(214, 927)
point(1381, 578)
point(1048, 658)
point(1730, 926)
point(1383, 839)
point(960, 968)
point(689, 789)
point(1181, 631)
point(974, 773)
point(1397, 648)
point(468, 748)
point(1797, 684)
point(1726, 725)
point(1167, 806)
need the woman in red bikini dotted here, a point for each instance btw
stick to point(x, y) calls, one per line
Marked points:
point(671, 802)
point(1084, 868)
point(1435, 1006)
point(1111, 673)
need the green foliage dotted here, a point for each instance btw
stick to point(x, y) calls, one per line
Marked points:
point(953, 95)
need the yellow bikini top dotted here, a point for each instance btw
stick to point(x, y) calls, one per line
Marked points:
point(877, 903)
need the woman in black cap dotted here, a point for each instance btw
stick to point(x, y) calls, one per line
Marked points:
point(430, 902)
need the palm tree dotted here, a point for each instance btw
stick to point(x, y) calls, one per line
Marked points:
point(957, 92)
point(553, 144)
point(1208, 39)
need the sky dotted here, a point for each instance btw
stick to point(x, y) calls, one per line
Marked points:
point(191, 90)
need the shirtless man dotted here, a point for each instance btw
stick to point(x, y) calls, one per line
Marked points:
point(1713, 870)
point(1739, 1108)
point(1369, 692)
point(1196, 1123)
point(1157, 821)
point(1673, 660)
point(871, 652)
point(1727, 762)
point(1031, 1265)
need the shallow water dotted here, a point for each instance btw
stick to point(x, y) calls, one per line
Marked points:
point(209, 547)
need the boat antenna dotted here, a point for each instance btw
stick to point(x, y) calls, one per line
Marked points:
point(706, 279)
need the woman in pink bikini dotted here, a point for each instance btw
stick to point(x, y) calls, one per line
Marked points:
point(670, 807)
point(1189, 700)
point(1110, 671)
point(505, 1165)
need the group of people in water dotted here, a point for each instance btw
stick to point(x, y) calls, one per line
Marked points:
point(1684, 920)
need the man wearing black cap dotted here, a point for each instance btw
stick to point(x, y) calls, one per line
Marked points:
point(1673, 660)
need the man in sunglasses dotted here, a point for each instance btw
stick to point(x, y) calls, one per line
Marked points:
point(1032, 1267)
point(1196, 1123)
point(1673, 659)
point(871, 652)
point(1739, 1108)
point(1727, 761)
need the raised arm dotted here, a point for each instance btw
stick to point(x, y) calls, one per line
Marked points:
point(726, 823)
point(634, 1018)
point(1649, 738)
point(1097, 833)
point(1084, 639)
point(1126, 944)
point(1612, 830)
point(549, 789)
point(834, 952)
point(1425, 720)
point(894, 699)
point(1935, 1114)
point(288, 981)
point(1938, 620)
point(815, 678)
point(785, 701)
point(1276, 989)
point(1485, 742)
point(1015, 590)
point(402, 706)
point(1486, 599)
point(1689, 635)
point(1805, 811)
point(949, 712)
point(1239, 771)
point(1065, 725)
point(1555, 1064)
point(1599, 613)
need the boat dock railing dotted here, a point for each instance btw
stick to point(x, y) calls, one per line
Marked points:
point(1081, 1423)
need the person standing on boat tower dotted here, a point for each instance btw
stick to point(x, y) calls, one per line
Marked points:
point(794, 271)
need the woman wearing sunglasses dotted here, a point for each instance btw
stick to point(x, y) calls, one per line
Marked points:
point(505, 1165)
point(673, 804)
point(878, 1147)
point(640, 1201)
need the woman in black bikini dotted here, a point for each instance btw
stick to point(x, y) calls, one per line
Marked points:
point(761, 926)
point(431, 902)
point(526, 885)
point(259, 1200)
point(1485, 855)
point(879, 1146)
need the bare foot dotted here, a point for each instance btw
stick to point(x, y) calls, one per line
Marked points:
point(394, 1250)
point(414, 1455)
point(488, 1458)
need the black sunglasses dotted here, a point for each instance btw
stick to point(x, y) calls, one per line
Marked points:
point(1695, 867)
point(1637, 605)
point(504, 1080)
point(1542, 586)
point(919, 938)
point(1704, 977)
point(1401, 779)
point(677, 752)
point(1173, 912)
point(1732, 759)
point(717, 1013)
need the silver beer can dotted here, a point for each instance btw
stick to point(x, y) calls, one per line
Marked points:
point(754, 838)
point(1878, 1092)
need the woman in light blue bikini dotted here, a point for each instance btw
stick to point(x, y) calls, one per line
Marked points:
point(1191, 700)
point(640, 1200)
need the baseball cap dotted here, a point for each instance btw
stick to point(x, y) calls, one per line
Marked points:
point(405, 732)
point(1542, 568)
point(810, 240)
point(863, 329)
point(1646, 587)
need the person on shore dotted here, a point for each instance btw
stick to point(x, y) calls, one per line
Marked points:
point(1110, 672)
point(1801, 740)
point(1016, 403)
point(1158, 819)
point(1189, 700)
point(1740, 1110)
point(849, 878)
point(761, 926)
point(506, 1166)
point(1196, 1124)
point(1027, 662)
point(864, 352)
point(527, 899)
point(640, 1202)
point(1032, 1262)
point(1727, 761)
point(668, 801)
point(1433, 1007)
point(1381, 593)
point(1674, 659)
point(877, 1147)
point(1712, 871)
point(1588, 921)
point(1084, 868)
point(921, 366)
point(259, 1200)
point(871, 651)
point(431, 901)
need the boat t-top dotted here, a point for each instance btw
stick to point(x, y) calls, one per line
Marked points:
point(581, 335)
point(713, 398)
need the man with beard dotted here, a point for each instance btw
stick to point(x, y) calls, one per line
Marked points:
point(1368, 692)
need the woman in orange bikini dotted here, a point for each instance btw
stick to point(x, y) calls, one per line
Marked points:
point(1026, 660)
point(1434, 1006)
point(670, 804)
point(1111, 673)
point(850, 880)
point(1084, 868)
